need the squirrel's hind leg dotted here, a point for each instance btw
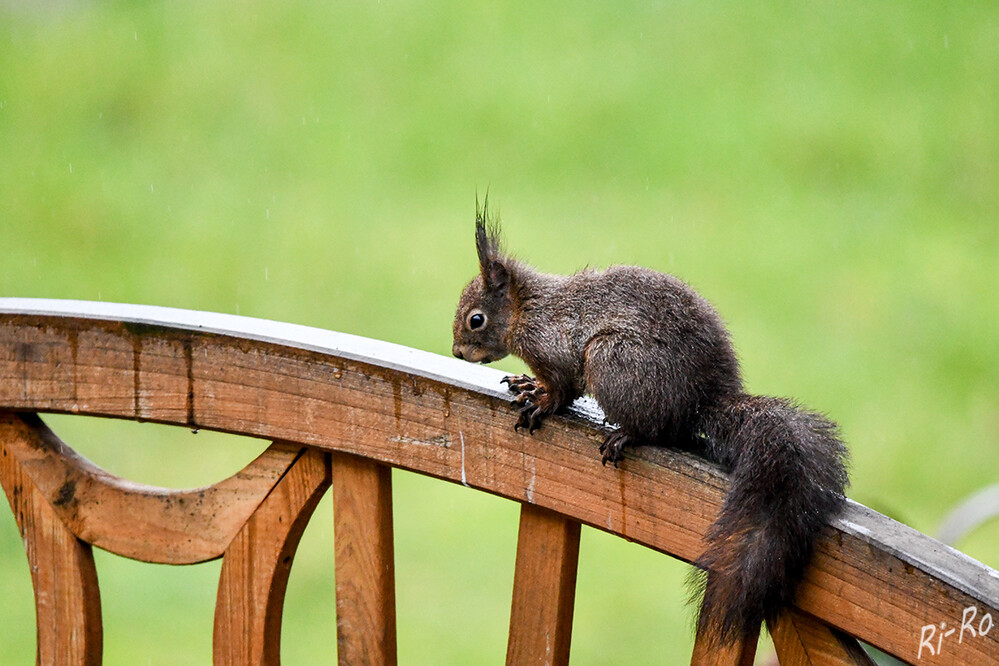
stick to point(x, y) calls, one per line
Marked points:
point(613, 447)
point(637, 389)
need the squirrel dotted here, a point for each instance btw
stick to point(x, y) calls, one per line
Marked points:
point(658, 360)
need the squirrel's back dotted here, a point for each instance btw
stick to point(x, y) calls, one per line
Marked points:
point(591, 324)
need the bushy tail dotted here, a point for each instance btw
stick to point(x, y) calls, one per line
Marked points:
point(788, 474)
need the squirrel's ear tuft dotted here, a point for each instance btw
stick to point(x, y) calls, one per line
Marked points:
point(487, 244)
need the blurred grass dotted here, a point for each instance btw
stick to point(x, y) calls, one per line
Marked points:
point(827, 174)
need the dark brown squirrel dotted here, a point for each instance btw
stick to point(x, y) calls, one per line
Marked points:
point(657, 358)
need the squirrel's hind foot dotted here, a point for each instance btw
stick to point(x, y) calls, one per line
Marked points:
point(613, 447)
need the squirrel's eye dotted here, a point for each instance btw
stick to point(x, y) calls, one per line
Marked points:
point(476, 320)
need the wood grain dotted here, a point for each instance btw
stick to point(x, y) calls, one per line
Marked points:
point(67, 598)
point(801, 640)
point(740, 653)
point(257, 563)
point(165, 526)
point(870, 578)
point(364, 561)
point(544, 588)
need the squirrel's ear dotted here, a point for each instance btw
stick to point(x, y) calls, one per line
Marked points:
point(496, 276)
point(487, 245)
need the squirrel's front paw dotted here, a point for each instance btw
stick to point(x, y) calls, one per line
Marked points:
point(531, 398)
point(520, 383)
point(528, 397)
point(613, 447)
point(530, 417)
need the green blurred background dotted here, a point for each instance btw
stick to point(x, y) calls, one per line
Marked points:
point(826, 173)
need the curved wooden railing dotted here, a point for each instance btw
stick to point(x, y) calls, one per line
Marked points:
point(341, 411)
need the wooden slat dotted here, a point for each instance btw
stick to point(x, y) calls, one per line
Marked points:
point(739, 653)
point(257, 563)
point(708, 652)
point(870, 577)
point(67, 598)
point(165, 526)
point(544, 588)
point(364, 561)
point(801, 640)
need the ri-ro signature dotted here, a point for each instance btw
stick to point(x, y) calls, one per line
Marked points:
point(932, 637)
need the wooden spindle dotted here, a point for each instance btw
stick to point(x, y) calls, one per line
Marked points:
point(364, 561)
point(544, 588)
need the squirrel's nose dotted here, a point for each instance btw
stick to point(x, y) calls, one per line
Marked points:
point(456, 351)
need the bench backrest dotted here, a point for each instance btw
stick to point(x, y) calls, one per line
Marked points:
point(341, 411)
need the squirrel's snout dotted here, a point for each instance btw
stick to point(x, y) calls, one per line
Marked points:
point(456, 350)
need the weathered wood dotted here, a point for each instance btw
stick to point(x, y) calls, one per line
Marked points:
point(364, 561)
point(165, 526)
point(870, 578)
point(544, 588)
point(67, 598)
point(739, 653)
point(801, 640)
point(257, 563)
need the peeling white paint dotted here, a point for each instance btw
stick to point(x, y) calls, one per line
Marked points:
point(461, 436)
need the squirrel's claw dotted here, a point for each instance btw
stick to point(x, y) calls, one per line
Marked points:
point(529, 393)
point(530, 399)
point(530, 418)
point(520, 383)
point(613, 447)
point(527, 397)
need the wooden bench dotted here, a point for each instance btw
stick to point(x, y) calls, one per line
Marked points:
point(341, 411)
